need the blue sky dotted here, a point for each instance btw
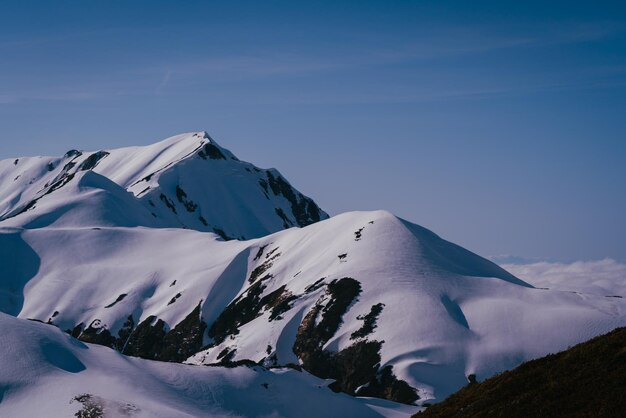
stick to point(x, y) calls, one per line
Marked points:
point(501, 126)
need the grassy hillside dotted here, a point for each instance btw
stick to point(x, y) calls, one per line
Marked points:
point(588, 380)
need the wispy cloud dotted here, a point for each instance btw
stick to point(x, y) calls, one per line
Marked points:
point(601, 277)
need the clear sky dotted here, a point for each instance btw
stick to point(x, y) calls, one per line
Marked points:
point(499, 125)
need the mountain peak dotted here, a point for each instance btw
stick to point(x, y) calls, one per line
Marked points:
point(185, 181)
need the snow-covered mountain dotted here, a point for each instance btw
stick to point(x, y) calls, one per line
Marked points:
point(46, 373)
point(185, 181)
point(383, 307)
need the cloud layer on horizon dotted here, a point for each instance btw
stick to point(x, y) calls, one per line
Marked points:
point(605, 277)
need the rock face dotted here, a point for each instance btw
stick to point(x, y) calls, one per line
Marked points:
point(133, 249)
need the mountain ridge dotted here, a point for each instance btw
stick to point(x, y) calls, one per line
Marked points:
point(113, 252)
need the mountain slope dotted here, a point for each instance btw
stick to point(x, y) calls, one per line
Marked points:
point(384, 307)
point(588, 380)
point(44, 372)
point(185, 181)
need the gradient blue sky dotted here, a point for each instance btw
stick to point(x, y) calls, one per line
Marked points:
point(500, 126)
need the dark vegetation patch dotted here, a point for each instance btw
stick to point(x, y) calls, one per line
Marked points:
point(369, 322)
point(311, 337)
point(387, 386)
point(185, 339)
point(258, 271)
point(279, 301)
point(119, 299)
point(182, 198)
point(354, 366)
point(242, 310)
point(92, 408)
point(168, 203)
point(92, 161)
point(125, 333)
point(97, 407)
point(249, 306)
point(358, 234)
point(149, 339)
point(75, 332)
point(211, 151)
point(587, 380)
point(97, 334)
point(176, 296)
point(303, 208)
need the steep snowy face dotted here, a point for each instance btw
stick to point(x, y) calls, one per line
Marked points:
point(187, 181)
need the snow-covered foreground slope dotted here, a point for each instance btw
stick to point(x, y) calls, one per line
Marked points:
point(385, 307)
point(185, 181)
point(46, 373)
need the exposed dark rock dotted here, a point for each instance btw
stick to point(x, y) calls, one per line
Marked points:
point(204, 222)
point(173, 283)
point(182, 198)
point(342, 257)
point(227, 355)
point(50, 167)
point(222, 234)
point(358, 234)
point(281, 214)
point(369, 322)
point(260, 252)
point(303, 208)
point(92, 161)
point(211, 151)
point(73, 153)
point(168, 203)
point(313, 287)
point(17, 160)
point(119, 299)
point(174, 299)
